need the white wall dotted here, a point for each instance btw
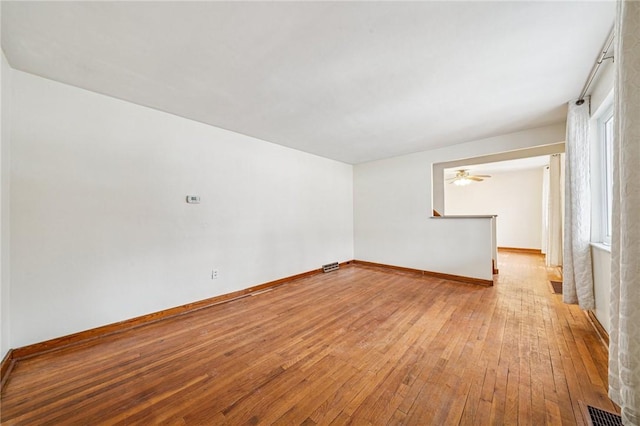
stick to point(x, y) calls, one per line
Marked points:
point(603, 85)
point(392, 209)
point(516, 197)
point(5, 96)
point(101, 232)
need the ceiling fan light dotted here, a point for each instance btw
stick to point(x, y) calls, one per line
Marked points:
point(462, 182)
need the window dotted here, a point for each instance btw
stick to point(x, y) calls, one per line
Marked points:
point(606, 176)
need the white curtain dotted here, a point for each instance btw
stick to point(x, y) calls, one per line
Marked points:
point(554, 213)
point(577, 278)
point(624, 345)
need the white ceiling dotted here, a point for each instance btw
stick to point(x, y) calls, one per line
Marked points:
point(352, 81)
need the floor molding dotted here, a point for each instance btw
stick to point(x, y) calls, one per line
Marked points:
point(6, 367)
point(598, 326)
point(520, 250)
point(459, 278)
point(106, 330)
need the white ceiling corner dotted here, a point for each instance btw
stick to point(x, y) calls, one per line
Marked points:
point(351, 81)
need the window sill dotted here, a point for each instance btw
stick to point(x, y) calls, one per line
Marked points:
point(601, 246)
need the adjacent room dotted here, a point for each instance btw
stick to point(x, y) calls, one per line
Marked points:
point(347, 212)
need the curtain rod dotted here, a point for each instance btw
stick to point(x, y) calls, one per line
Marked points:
point(594, 70)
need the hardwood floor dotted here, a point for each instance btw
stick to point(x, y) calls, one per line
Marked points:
point(362, 345)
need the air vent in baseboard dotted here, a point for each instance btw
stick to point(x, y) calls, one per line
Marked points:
point(598, 417)
point(330, 267)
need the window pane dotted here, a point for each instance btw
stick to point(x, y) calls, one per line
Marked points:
point(608, 165)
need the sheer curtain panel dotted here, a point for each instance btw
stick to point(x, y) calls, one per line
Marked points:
point(624, 343)
point(577, 278)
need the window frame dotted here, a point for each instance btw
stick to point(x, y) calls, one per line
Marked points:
point(604, 151)
point(601, 171)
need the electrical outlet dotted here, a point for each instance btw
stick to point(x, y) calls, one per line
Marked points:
point(214, 274)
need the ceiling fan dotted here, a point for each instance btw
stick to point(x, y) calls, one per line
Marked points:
point(463, 177)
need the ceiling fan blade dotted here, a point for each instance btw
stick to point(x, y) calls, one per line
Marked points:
point(482, 176)
point(475, 178)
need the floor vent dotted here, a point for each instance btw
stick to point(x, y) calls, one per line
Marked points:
point(556, 287)
point(330, 267)
point(597, 417)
